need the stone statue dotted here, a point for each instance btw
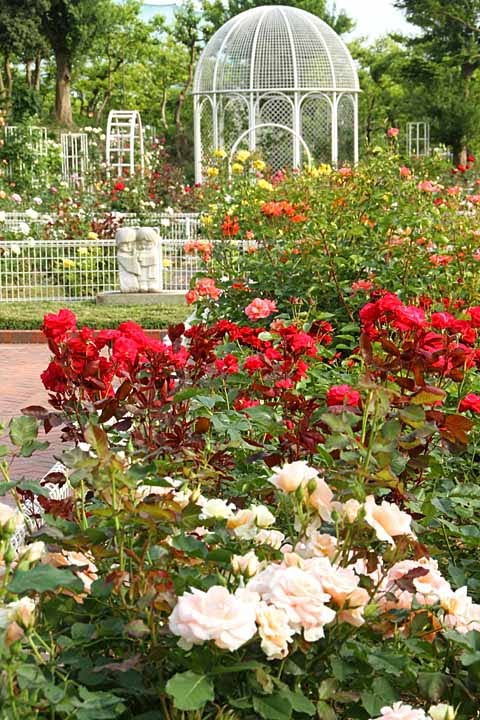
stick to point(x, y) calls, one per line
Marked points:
point(138, 256)
point(148, 254)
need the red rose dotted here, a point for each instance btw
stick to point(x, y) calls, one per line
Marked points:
point(474, 313)
point(470, 402)
point(56, 327)
point(119, 185)
point(343, 395)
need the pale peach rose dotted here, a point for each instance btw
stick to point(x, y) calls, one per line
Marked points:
point(274, 631)
point(460, 612)
point(354, 608)
point(300, 594)
point(400, 711)
point(19, 611)
point(387, 520)
point(31, 553)
point(290, 476)
point(427, 588)
point(316, 544)
point(321, 499)
point(338, 582)
point(273, 538)
point(228, 620)
point(291, 559)
point(243, 524)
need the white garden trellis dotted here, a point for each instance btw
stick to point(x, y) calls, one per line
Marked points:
point(124, 143)
point(277, 80)
point(418, 139)
point(74, 157)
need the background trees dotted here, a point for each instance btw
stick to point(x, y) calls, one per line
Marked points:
point(72, 61)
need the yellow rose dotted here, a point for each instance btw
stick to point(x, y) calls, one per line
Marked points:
point(242, 155)
point(206, 220)
point(67, 263)
point(325, 169)
point(92, 236)
point(259, 165)
point(264, 184)
point(167, 263)
point(237, 168)
point(212, 172)
point(219, 153)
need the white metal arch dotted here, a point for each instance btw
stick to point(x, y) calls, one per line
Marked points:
point(124, 142)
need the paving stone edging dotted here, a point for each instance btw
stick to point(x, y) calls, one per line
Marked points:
point(32, 337)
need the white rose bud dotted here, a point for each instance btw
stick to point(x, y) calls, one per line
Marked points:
point(350, 510)
point(247, 565)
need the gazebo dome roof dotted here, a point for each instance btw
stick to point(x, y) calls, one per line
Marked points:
point(275, 47)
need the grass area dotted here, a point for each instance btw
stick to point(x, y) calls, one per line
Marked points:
point(29, 315)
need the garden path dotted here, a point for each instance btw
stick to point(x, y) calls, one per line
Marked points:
point(20, 386)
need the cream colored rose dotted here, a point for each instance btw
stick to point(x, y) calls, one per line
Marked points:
point(442, 711)
point(274, 631)
point(216, 508)
point(248, 564)
point(263, 516)
point(349, 510)
point(11, 519)
point(387, 520)
point(31, 553)
point(290, 476)
point(321, 499)
point(273, 538)
point(215, 615)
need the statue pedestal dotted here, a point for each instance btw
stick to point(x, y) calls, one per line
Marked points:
point(145, 298)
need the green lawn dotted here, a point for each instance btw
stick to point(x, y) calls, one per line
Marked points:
point(29, 316)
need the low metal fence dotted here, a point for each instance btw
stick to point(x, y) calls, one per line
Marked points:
point(62, 270)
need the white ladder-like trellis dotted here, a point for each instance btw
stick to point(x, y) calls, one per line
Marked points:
point(74, 157)
point(124, 139)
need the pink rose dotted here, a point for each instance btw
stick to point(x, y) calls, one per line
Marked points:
point(393, 132)
point(228, 620)
point(405, 172)
point(260, 308)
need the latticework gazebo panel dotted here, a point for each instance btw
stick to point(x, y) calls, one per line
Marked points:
point(316, 118)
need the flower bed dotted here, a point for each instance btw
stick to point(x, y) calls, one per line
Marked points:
point(274, 512)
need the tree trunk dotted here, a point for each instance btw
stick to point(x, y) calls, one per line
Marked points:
point(28, 73)
point(2, 90)
point(36, 72)
point(63, 105)
point(163, 108)
point(8, 74)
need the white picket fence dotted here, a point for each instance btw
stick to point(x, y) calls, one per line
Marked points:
point(62, 270)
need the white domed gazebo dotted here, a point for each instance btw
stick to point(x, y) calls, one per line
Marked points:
point(278, 80)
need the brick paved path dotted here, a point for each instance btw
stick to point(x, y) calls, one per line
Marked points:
point(20, 386)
